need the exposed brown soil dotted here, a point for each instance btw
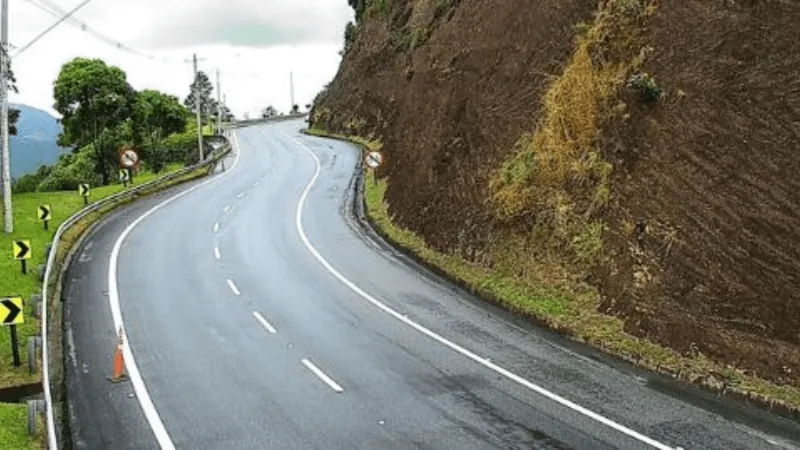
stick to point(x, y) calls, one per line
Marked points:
point(714, 168)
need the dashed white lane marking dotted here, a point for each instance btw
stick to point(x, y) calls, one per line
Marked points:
point(321, 375)
point(264, 322)
point(216, 227)
point(442, 340)
point(226, 208)
point(240, 195)
point(233, 287)
point(216, 253)
point(149, 409)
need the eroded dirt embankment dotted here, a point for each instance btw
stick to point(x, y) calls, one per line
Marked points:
point(681, 211)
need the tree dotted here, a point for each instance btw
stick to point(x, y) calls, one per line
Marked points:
point(269, 112)
point(94, 100)
point(295, 109)
point(201, 86)
point(227, 115)
point(350, 31)
point(359, 6)
point(13, 114)
point(155, 116)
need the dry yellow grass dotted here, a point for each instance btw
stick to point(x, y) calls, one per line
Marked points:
point(561, 159)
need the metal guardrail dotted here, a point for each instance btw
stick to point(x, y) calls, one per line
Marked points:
point(248, 122)
point(47, 282)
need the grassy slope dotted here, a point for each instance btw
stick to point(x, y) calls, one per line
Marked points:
point(574, 313)
point(13, 433)
point(13, 428)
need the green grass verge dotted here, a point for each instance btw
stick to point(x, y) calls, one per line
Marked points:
point(14, 428)
point(13, 417)
point(573, 313)
point(13, 282)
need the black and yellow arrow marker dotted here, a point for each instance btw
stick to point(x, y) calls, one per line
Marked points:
point(22, 251)
point(45, 213)
point(11, 314)
point(11, 311)
point(84, 190)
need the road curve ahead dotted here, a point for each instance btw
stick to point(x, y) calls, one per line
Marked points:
point(258, 314)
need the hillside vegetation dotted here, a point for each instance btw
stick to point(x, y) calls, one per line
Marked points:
point(629, 165)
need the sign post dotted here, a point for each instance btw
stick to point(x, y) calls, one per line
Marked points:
point(11, 315)
point(374, 160)
point(22, 251)
point(45, 214)
point(124, 177)
point(128, 161)
point(84, 190)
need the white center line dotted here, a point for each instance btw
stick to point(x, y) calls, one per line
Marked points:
point(226, 208)
point(216, 227)
point(233, 288)
point(264, 322)
point(321, 375)
point(444, 341)
point(216, 252)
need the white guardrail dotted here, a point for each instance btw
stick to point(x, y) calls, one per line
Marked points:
point(47, 281)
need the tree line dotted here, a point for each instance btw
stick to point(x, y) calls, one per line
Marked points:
point(101, 112)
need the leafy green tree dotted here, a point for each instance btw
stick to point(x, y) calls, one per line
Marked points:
point(155, 116)
point(202, 87)
point(269, 112)
point(350, 31)
point(227, 115)
point(359, 6)
point(295, 109)
point(13, 113)
point(95, 100)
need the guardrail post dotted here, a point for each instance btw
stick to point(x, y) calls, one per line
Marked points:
point(36, 305)
point(35, 408)
point(34, 345)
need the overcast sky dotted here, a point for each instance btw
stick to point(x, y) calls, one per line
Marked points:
point(254, 43)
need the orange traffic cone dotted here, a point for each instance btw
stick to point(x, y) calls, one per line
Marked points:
point(119, 362)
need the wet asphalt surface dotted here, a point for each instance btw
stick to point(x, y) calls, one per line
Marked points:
point(245, 339)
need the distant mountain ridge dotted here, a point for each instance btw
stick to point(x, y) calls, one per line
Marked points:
point(35, 143)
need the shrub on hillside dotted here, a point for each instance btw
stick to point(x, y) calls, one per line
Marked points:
point(31, 181)
point(71, 170)
point(181, 147)
point(647, 88)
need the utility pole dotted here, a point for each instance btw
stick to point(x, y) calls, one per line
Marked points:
point(291, 91)
point(219, 107)
point(196, 85)
point(8, 215)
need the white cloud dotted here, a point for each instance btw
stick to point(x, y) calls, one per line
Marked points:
point(301, 37)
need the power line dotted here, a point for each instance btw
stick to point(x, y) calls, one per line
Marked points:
point(43, 33)
point(64, 16)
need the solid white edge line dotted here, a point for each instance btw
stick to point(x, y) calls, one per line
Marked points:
point(452, 345)
point(150, 412)
point(264, 322)
point(216, 253)
point(233, 287)
point(321, 375)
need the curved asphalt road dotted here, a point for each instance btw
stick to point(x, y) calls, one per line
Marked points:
point(246, 339)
